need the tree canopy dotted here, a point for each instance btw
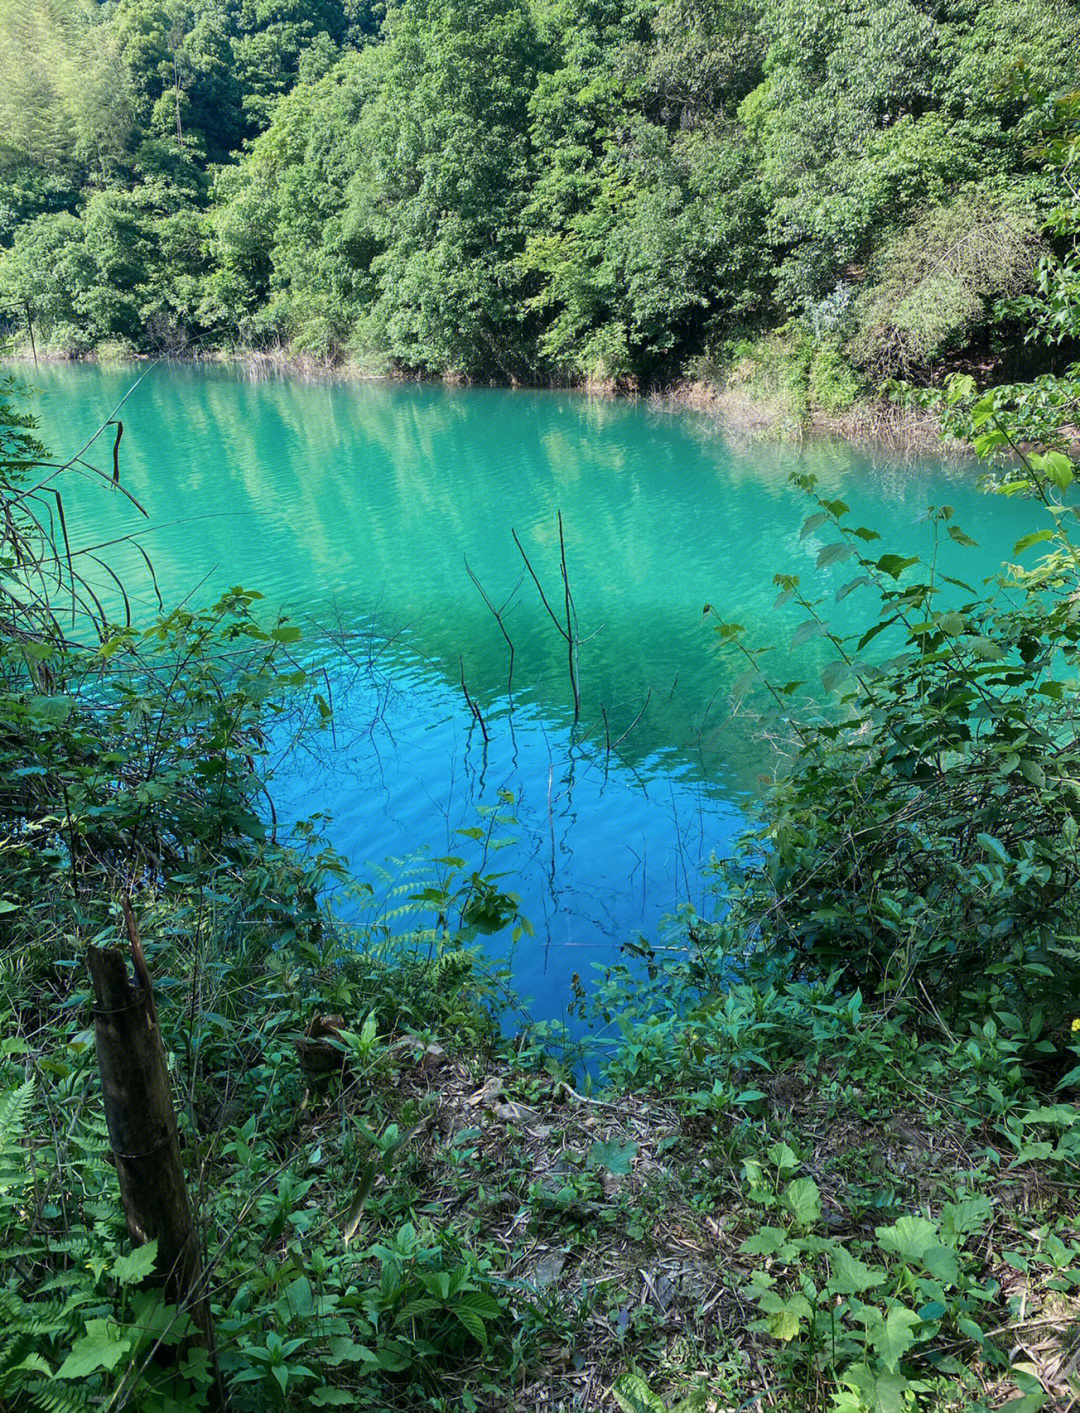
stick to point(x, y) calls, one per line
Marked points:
point(528, 189)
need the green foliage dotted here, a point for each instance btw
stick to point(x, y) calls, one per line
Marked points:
point(870, 1311)
point(527, 190)
point(935, 282)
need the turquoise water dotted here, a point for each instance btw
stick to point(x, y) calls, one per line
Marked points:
point(356, 508)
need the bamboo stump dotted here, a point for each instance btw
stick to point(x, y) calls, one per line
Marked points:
point(142, 1129)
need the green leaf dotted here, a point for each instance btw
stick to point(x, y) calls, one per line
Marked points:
point(129, 1270)
point(803, 1200)
point(871, 633)
point(633, 1395)
point(942, 1264)
point(993, 846)
point(850, 1276)
point(784, 1318)
point(812, 523)
point(1058, 469)
point(834, 554)
point(783, 1325)
point(845, 589)
point(1038, 538)
point(955, 533)
point(616, 1157)
point(50, 711)
point(908, 1238)
point(895, 1336)
point(327, 1397)
point(965, 1217)
point(895, 564)
point(1057, 1115)
point(766, 1242)
point(101, 1347)
point(834, 674)
point(471, 1321)
point(783, 1157)
point(876, 1392)
point(1032, 771)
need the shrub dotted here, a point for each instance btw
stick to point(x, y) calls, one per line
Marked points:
point(934, 283)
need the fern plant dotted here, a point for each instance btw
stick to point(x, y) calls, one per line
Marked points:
point(74, 1326)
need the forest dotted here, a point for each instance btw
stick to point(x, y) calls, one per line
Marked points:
point(826, 1158)
point(817, 196)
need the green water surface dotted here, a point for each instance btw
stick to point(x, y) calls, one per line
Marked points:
point(356, 507)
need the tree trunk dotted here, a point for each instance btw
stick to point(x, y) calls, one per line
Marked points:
point(142, 1129)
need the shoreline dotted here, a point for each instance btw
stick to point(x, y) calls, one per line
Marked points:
point(737, 411)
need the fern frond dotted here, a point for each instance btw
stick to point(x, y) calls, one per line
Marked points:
point(14, 1108)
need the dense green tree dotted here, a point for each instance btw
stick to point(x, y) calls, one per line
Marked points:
point(444, 165)
point(288, 265)
point(530, 188)
point(66, 103)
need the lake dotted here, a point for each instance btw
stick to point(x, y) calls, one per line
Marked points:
point(383, 517)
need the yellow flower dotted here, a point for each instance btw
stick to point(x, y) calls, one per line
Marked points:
point(1076, 1025)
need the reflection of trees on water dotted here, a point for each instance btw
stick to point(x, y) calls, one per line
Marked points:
point(357, 508)
point(364, 494)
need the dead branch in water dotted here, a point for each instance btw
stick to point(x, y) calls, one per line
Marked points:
point(497, 615)
point(472, 705)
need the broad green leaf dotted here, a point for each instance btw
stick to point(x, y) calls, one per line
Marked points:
point(871, 633)
point(908, 1238)
point(617, 1158)
point(50, 711)
point(101, 1347)
point(850, 1276)
point(471, 1321)
point(344, 1350)
point(965, 1217)
point(1032, 1153)
point(766, 1242)
point(1058, 469)
point(1026, 541)
point(852, 584)
point(129, 1270)
point(876, 1392)
point(1031, 770)
point(895, 564)
point(942, 1264)
point(834, 554)
point(1059, 1115)
point(835, 673)
point(633, 1395)
point(783, 1157)
point(803, 1201)
point(895, 1336)
point(993, 846)
point(783, 1325)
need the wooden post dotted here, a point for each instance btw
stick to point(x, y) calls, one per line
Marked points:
point(142, 1128)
